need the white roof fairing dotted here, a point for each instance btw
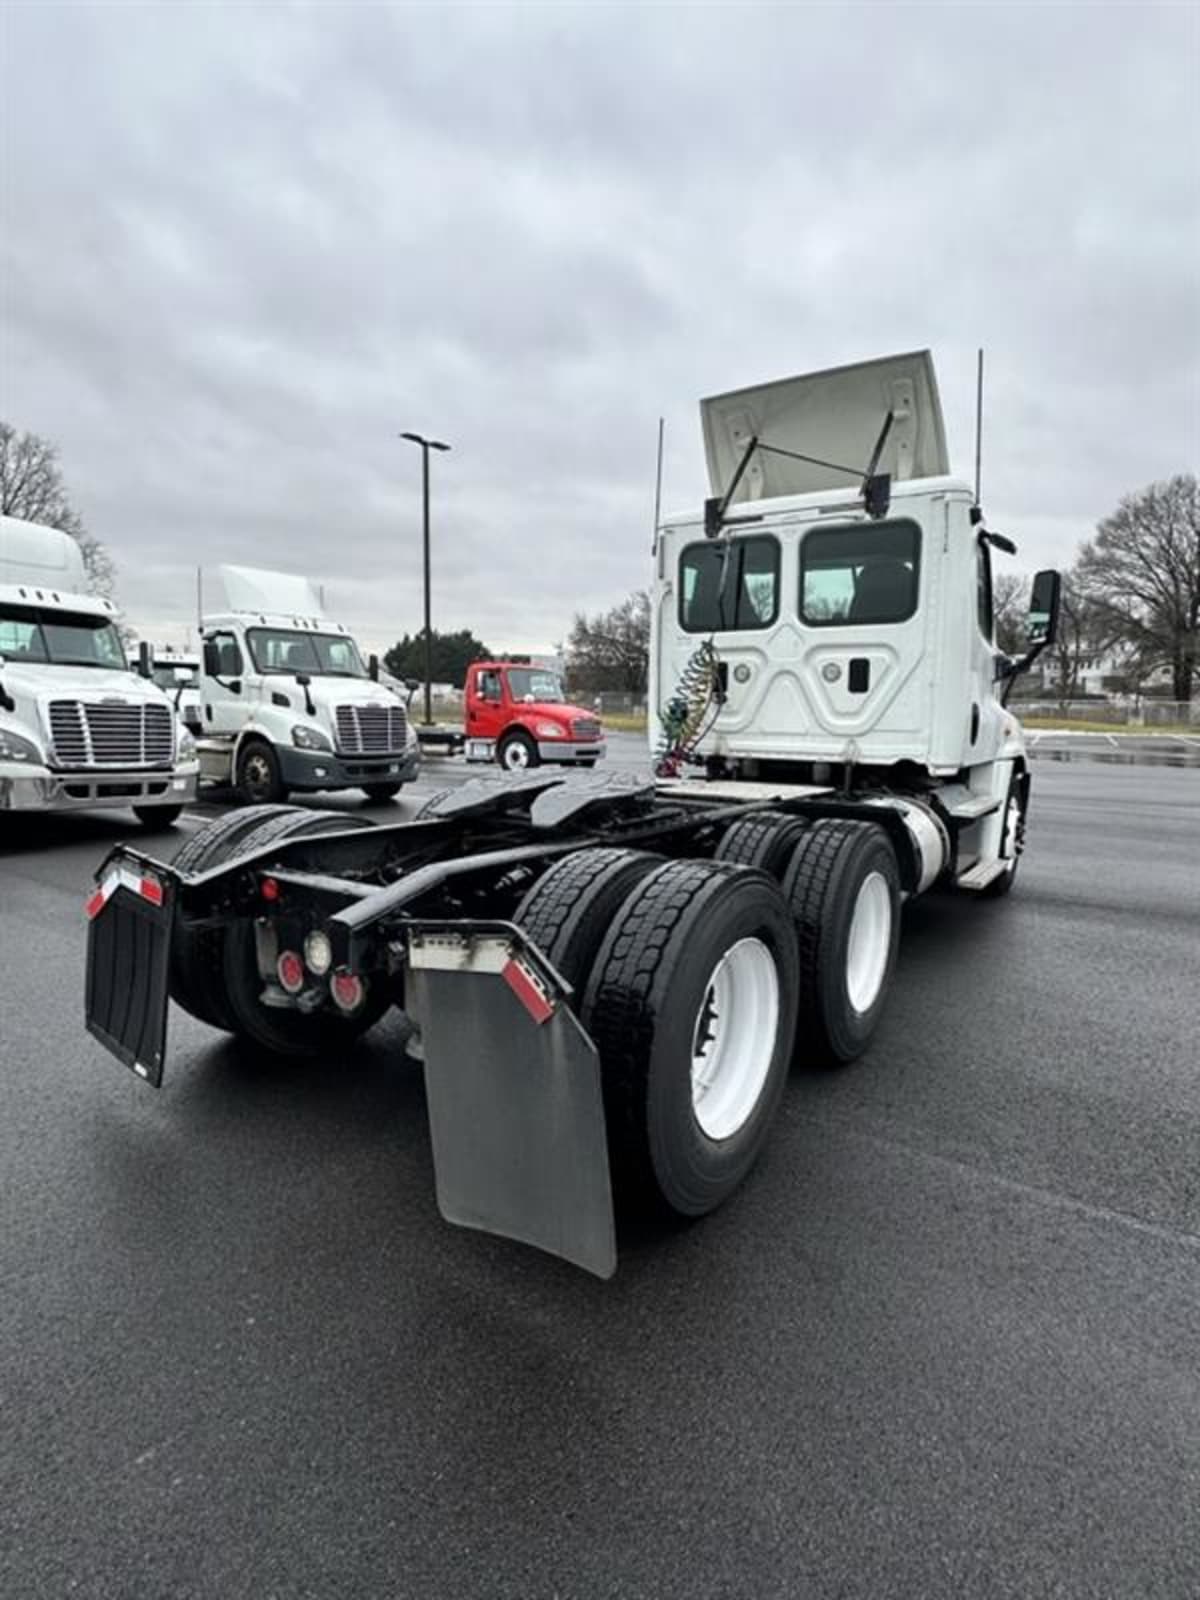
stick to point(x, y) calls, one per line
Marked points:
point(835, 416)
point(255, 590)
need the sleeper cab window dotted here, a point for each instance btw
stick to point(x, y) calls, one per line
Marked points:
point(726, 587)
point(860, 573)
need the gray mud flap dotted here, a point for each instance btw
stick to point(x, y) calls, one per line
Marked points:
point(515, 1108)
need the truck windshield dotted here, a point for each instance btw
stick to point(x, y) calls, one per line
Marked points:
point(530, 683)
point(175, 675)
point(325, 655)
point(60, 638)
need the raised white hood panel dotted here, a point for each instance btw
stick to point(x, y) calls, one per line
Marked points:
point(835, 415)
point(257, 591)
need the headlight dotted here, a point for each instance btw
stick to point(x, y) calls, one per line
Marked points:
point(549, 730)
point(14, 748)
point(187, 744)
point(310, 739)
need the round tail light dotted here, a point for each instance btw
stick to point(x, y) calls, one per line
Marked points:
point(348, 991)
point(289, 969)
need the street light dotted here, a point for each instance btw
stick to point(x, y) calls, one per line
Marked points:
point(426, 446)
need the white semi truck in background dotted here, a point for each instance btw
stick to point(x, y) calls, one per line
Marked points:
point(79, 728)
point(286, 702)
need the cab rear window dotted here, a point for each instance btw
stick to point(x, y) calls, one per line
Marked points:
point(860, 573)
point(724, 588)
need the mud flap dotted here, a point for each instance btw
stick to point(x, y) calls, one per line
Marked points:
point(129, 946)
point(515, 1108)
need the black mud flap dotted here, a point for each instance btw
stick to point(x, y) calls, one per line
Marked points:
point(515, 1108)
point(129, 946)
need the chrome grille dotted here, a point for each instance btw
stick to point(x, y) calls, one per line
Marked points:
point(111, 734)
point(586, 728)
point(371, 730)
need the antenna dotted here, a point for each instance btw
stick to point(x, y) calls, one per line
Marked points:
point(978, 430)
point(658, 481)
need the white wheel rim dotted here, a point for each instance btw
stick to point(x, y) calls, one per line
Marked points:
point(516, 756)
point(870, 942)
point(734, 1037)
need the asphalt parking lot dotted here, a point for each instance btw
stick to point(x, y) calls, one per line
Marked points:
point(945, 1342)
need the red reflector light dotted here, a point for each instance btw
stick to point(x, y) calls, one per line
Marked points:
point(152, 890)
point(528, 990)
point(347, 990)
point(289, 969)
point(269, 889)
point(95, 904)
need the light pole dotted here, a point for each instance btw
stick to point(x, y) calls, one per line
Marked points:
point(426, 446)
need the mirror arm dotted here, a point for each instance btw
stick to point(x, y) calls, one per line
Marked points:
point(1020, 665)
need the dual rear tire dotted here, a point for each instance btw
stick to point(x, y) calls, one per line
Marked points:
point(681, 971)
point(700, 982)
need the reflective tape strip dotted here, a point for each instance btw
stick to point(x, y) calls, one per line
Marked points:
point(528, 990)
point(122, 877)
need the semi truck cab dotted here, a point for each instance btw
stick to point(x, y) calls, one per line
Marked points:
point(287, 702)
point(79, 728)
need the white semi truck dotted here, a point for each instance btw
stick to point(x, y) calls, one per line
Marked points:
point(79, 729)
point(610, 977)
point(286, 702)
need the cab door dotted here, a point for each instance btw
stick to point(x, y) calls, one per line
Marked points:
point(485, 703)
point(222, 683)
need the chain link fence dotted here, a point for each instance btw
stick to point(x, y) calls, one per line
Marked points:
point(1119, 713)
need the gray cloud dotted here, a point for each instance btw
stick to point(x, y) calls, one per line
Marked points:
point(242, 247)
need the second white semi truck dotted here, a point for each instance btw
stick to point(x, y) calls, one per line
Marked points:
point(286, 702)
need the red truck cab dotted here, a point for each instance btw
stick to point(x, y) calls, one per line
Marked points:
point(518, 715)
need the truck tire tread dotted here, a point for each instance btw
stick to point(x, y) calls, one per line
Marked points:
point(663, 922)
point(817, 886)
point(765, 840)
point(568, 910)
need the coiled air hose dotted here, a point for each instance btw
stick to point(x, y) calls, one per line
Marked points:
point(685, 717)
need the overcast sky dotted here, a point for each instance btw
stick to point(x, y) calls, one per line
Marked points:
point(242, 247)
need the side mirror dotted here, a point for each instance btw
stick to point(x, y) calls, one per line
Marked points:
point(145, 664)
point(1041, 621)
point(412, 684)
point(373, 667)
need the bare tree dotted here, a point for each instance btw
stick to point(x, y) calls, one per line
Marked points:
point(1010, 594)
point(612, 649)
point(31, 486)
point(1081, 635)
point(1141, 573)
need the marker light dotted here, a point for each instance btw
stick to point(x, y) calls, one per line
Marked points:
point(269, 888)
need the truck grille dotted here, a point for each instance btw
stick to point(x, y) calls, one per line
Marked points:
point(371, 730)
point(586, 728)
point(113, 735)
